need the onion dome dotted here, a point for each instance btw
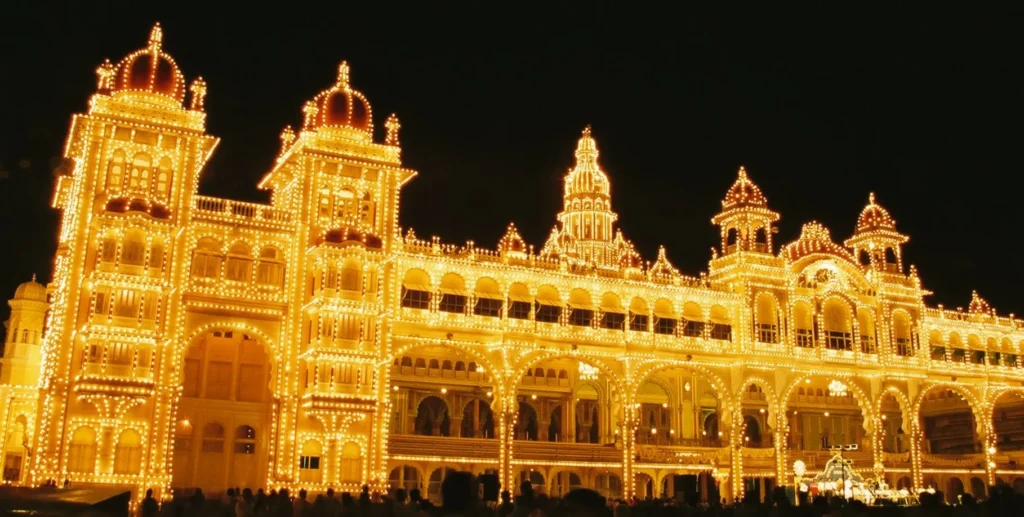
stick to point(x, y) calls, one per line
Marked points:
point(341, 107)
point(814, 238)
point(587, 178)
point(874, 217)
point(744, 193)
point(31, 291)
point(148, 70)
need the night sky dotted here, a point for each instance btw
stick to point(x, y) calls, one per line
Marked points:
point(922, 107)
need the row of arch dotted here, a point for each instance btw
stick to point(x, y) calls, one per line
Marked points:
point(83, 452)
point(142, 174)
point(212, 261)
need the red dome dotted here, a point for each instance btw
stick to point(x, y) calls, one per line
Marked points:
point(341, 106)
point(150, 70)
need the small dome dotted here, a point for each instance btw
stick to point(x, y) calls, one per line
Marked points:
point(586, 178)
point(874, 217)
point(150, 70)
point(341, 106)
point(744, 193)
point(31, 290)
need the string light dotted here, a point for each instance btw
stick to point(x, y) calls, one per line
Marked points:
point(338, 317)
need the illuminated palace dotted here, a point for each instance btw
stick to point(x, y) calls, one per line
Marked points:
point(192, 341)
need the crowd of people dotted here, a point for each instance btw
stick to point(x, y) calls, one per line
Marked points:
point(460, 498)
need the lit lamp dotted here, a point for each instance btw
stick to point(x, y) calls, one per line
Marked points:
point(799, 469)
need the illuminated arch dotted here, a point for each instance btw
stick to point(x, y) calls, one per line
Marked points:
point(517, 377)
point(863, 400)
point(978, 407)
point(263, 338)
point(653, 367)
point(490, 369)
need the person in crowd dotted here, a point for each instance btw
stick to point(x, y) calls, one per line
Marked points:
point(300, 507)
point(150, 508)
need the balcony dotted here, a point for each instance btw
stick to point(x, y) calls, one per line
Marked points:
point(114, 379)
point(683, 454)
point(413, 445)
point(562, 451)
point(238, 211)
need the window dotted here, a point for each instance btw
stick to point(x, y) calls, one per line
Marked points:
point(133, 252)
point(490, 307)
point(127, 305)
point(613, 320)
point(245, 440)
point(207, 259)
point(548, 313)
point(450, 302)
point(836, 320)
point(100, 302)
point(415, 298)
point(519, 310)
point(804, 338)
point(580, 317)
point(115, 174)
point(309, 462)
point(638, 322)
point(721, 331)
point(767, 333)
point(351, 463)
point(213, 437)
point(163, 177)
point(82, 451)
point(270, 270)
point(803, 326)
point(666, 326)
point(239, 265)
point(693, 328)
point(139, 177)
point(156, 256)
point(350, 274)
point(128, 454)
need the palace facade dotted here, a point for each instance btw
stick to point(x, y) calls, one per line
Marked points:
point(192, 341)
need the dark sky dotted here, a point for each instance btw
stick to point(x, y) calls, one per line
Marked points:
point(922, 107)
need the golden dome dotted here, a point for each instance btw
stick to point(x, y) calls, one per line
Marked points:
point(586, 178)
point(744, 193)
point(874, 217)
point(148, 70)
point(342, 106)
point(31, 290)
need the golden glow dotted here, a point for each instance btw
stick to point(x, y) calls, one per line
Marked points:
point(370, 332)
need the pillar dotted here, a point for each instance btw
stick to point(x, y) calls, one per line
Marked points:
point(916, 436)
point(476, 418)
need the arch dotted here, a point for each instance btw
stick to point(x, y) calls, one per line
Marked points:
point(548, 293)
point(133, 248)
point(433, 417)
point(766, 318)
point(836, 323)
point(485, 417)
point(487, 286)
point(128, 453)
point(580, 297)
point(453, 281)
point(863, 400)
point(115, 174)
point(406, 477)
point(610, 302)
point(139, 172)
point(639, 306)
point(351, 465)
point(999, 437)
point(651, 368)
point(245, 328)
point(82, 451)
point(975, 405)
point(978, 487)
point(417, 277)
point(772, 396)
point(866, 327)
point(309, 462)
point(803, 324)
point(163, 176)
point(542, 356)
point(693, 312)
point(902, 341)
point(239, 262)
point(488, 367)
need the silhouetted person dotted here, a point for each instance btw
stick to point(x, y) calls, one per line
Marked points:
point(197, 501)
point(584, 502)
point(457, 493)
point(149, 505)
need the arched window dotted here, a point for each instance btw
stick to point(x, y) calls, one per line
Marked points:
point(351, 275)
point(139, 176)
point(351, 463)
point(901, 334)
point(115, 174)
point(82, 451)
point(109, 253)
point(133, 250)
point(163, 177)
point(344, 206)
point(309, 462)
point(866, 324)
point(270, 270)
point(803, 325)
point(838, 331)
point(156, 256)
point(245, 440)
point(767, 319)
point(207, 258)
point(128, 455)
point(213, 438)
point(239, 263)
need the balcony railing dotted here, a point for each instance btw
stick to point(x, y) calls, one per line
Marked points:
point(241, 210)
point(414, 445)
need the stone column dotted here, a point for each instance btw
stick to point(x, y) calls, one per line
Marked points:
point(476, 419)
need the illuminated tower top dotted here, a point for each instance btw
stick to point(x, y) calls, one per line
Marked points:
point(875, 241)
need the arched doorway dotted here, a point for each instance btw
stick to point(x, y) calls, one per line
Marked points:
point(404, 477)
point(948, 423)
point(954, 489)
point(977, 488)
point(477, 420)
point(536, 480)
point(526, 423)
point(432, 417)
point(571, 401)
point(1008, 420)
point(608, 485)
point(15, 447)
point(222, 427)
point(437, 478)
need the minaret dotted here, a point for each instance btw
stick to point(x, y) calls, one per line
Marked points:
point(21, 353)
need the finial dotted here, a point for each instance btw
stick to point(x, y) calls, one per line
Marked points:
point(586, 130)
point(343, 74)
point(287, 137)
point(310, 111)
point(198, 90)
point(34, 278)
point(156, 36)
point(105, 76)
point(871, 198)
point(743, 173)
point(392, 125)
